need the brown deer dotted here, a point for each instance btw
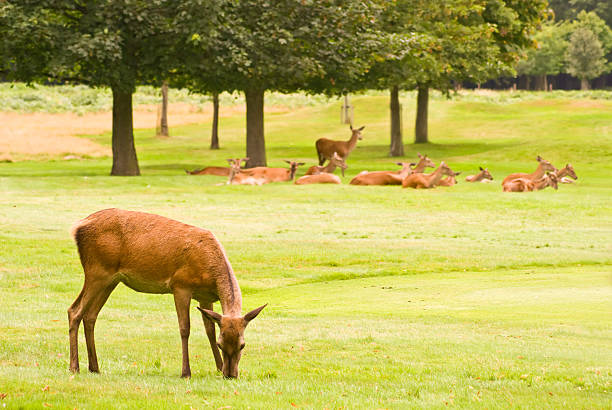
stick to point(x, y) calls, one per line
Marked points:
point(527, 185)
point(266, 174)
point(384, 177)
point(334, 162)
point(449, 180)
point(236, 177)
point(427, 180)
point(424, 162)
point(219, 171)
point(483, 176)
point(543, 167)
point(323, 178)
point(326, 147)
point(565, 172)
point(152, 254)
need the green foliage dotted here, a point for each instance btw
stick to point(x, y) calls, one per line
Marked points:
point(548, 56)
point(597, 26)
point(585, 57)
point(570, 9)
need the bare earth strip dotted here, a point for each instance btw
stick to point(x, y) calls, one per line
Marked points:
point(33, 134)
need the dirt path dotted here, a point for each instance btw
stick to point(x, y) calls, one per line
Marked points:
point(35, 134)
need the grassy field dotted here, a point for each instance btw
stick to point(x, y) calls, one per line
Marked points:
point(379, 297)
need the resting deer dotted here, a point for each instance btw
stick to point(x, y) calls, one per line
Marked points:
point(219, 171)
point(152, 254)
point(449, 180)
point(326, 147)
point(483, 176)
point(543, 167)
point(424, 162)
point(274, 174)
point(334, 162)
point(323, 178)
point(384, 177)
point(527, 185)
point(427, 180)
point(236, 177)
point(565, 172)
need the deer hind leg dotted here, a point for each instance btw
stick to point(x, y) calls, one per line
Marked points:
point(76, 312)
point(182, 299)
point(89, 322)
point(212, 337)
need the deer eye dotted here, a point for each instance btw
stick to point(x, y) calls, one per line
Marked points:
point(242, 346)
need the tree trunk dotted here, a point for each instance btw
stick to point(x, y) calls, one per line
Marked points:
point(539, 83)
point(420, 128)
point(584, 84)
point(256, 144)
point(214, 138)
point(125, 161)
point(163, 124)
point(397, 143)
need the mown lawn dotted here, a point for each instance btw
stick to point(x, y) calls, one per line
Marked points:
point(379, 297)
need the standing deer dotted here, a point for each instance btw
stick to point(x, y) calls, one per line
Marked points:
point(449, 180)
point(483, 176)
point(326, 147)
point(543, 167)
point(384, 177)
point(527, 185)
point(334, 162)
point(323, 178)
point(427, 180)
point(565, 172)
point(152, 254)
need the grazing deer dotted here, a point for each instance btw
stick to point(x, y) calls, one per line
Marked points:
point(543, 167)
point(565, 172)
point(449, 180)
point(483, 176)
point(323, 178)
point(427, 180)
point(527, 185)
point(384, 177)
point(152, 254)
point(334, 162)
point(326, 147)
point(267, 175)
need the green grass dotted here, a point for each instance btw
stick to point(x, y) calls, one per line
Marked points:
point(378, 297)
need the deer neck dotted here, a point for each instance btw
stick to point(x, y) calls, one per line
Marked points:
point(540, 183)
point(228, 290)
point(329, 168)
point(405, 172)
point(538, 173)
point(352, 141)
point(419, 168)
point(435, 177)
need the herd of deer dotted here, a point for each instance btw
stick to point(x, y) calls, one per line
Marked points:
point(153, 254)
point(411, 175)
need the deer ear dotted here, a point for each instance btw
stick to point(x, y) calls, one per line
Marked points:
point(457, 173)
point(253, 313)
point(210, 315)
point(419, 154)
point(301, 163)
point(230, 160)
point(287, 161)
point(361, 129)
point(481, 168)
point(351, 127)
point(245, 159)
point(539, 158)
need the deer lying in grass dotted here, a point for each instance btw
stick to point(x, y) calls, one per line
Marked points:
point(449, 180)
point(543, 167)
point(265, 174)
point(483, 176)
point(323, 178)
point(424, 162)
point(219, 171)
point(527, 185)
point(384, 177)
point(427, 180)
point(236, 177)
point(565, 172)
point(334, 162)
point(326, 147)
point(152, 254)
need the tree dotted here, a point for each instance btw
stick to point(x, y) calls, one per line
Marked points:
point(569, 9)
point(285, 45)
point(104, 43)
point(547, 58)
point(214, 137)
point(585, 58)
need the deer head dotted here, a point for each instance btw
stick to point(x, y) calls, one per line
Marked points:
point(231, 337)
point(426, 161)
point(337, 161)
point(552, 180)
point(293, 166)
point(546, 165)
point(569, 169)
point(357, 131)
point(446, 169)
point(235, 164)
point(486, 174)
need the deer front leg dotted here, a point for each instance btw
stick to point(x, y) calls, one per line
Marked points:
point(182, 298)
point(212, 337)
